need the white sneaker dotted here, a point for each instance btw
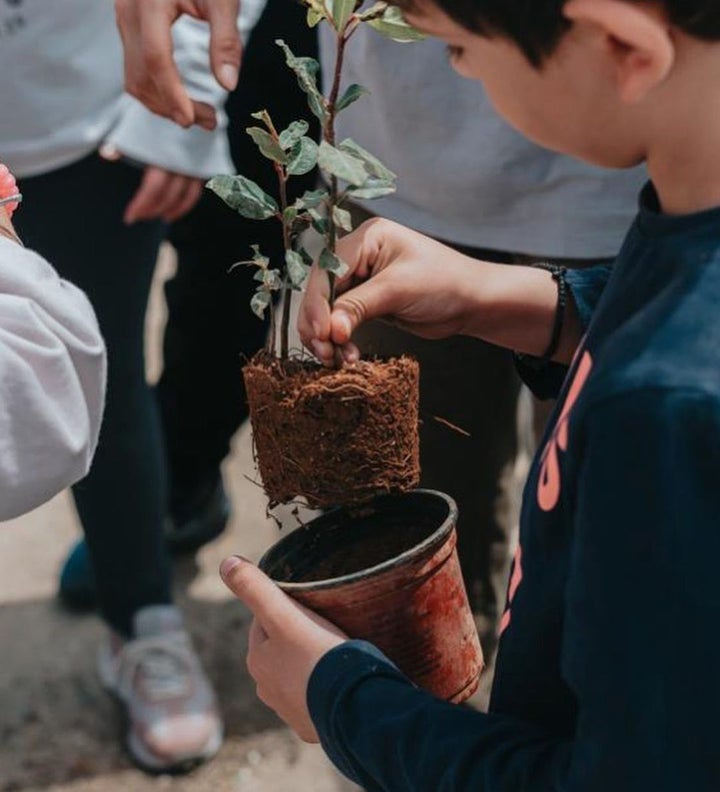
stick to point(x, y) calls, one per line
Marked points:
point(172, 712)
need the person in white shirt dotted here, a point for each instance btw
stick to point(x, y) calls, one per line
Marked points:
point(52, 379)
point(101, 220)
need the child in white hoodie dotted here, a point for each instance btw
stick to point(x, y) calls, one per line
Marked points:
point(101, 223)
point(52, 379)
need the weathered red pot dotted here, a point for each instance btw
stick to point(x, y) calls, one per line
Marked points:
point(389, 573)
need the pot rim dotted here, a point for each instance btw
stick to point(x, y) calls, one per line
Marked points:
point(435, 538)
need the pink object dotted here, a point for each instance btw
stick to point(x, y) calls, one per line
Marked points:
point(8, 188)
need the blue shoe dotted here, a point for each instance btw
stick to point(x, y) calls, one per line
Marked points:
point(77, 580)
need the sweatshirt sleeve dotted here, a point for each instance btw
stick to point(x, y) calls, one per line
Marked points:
point(586, 287)
point(148, 138)
point(52, 381)
point(640, 649)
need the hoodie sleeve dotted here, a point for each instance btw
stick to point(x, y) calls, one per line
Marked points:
point(148, 138)
point(52, 381)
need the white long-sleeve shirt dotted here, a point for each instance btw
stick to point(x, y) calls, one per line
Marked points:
point(52, 381)
point(61, 83)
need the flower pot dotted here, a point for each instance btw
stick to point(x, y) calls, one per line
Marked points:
point(334, 437)
point(389, 573)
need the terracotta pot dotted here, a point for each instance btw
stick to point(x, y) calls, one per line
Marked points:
point(389, 573)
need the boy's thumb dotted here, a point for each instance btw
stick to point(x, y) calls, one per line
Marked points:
point(254, 588)
point(369, 300)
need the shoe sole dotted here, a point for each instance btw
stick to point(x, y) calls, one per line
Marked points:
point(139, 755)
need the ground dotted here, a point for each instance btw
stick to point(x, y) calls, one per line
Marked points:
point(58, 729)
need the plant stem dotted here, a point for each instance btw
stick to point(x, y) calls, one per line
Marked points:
point(329, 136)
point(287, 289)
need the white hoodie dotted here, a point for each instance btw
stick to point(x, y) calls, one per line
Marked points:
point(52, 381)
point(61, 90)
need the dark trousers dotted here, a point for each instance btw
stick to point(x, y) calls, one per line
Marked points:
point(73, 216)
point(211, 328)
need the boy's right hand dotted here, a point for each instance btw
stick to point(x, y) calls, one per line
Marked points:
point(393, 273)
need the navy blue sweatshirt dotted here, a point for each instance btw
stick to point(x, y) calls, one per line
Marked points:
point(608, 674)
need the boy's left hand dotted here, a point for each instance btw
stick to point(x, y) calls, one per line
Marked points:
point(163, 194)
point(285, 643)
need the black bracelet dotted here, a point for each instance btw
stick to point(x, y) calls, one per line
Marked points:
point(558, 274)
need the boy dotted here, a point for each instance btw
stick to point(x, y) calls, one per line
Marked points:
point(607, 673)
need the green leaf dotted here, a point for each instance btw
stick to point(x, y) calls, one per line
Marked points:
point(373, 12)
point(303, 158)
point(373, 188)
point(392, 25)
point(316, 12)
point(341, 218)
point(244, 196)
point(341, 164)
point(341, 12)
point(272, 279)
point(311, 198)
point(258, 259)
point(332, 263)
point(267, 144)
point(372, 164)
point(352, 94)
point(296, 268)
point(319, 221)
point(259, 302)
point(290, 136)
point(306, 70)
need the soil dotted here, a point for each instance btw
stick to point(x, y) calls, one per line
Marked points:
point(350, 540)
point(334, 436)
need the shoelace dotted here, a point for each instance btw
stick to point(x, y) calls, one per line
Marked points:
point(164, 663)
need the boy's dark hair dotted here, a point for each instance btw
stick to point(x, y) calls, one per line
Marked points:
point(536, 26)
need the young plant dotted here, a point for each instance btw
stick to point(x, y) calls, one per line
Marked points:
point(350, 172)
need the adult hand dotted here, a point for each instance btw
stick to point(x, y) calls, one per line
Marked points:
point(151, 74)
point(163, 194)
point(393, 273)
point(285, 643)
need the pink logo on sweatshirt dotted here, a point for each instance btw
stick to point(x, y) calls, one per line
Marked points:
point(549, 483)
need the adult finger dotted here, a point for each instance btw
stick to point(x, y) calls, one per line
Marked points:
point(273, 609)
point(158, 68)
point(150, 195)
point(225, 46)
point(189, 196)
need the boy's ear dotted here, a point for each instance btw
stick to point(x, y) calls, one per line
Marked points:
point(638, 38)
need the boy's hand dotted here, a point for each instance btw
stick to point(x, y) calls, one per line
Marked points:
point(395, 273)
point(285, 643)
point(163, 194)
point(150, 71)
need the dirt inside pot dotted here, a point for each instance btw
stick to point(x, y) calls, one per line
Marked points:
point(351, 540)
point(334, 437)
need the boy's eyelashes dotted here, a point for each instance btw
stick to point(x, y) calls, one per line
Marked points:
point(454, 52)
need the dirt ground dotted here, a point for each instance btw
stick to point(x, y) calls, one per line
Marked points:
point(58, 729)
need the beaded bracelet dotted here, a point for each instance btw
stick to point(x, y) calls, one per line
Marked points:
point(9, 195)
point(558, 275)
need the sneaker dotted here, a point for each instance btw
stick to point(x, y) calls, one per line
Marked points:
point(173, 720)
point(201, 518)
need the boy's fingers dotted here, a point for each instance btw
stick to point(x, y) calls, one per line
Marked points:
point(314, 315)
point(225, 47)
point(273, 609)
point(369, 300)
